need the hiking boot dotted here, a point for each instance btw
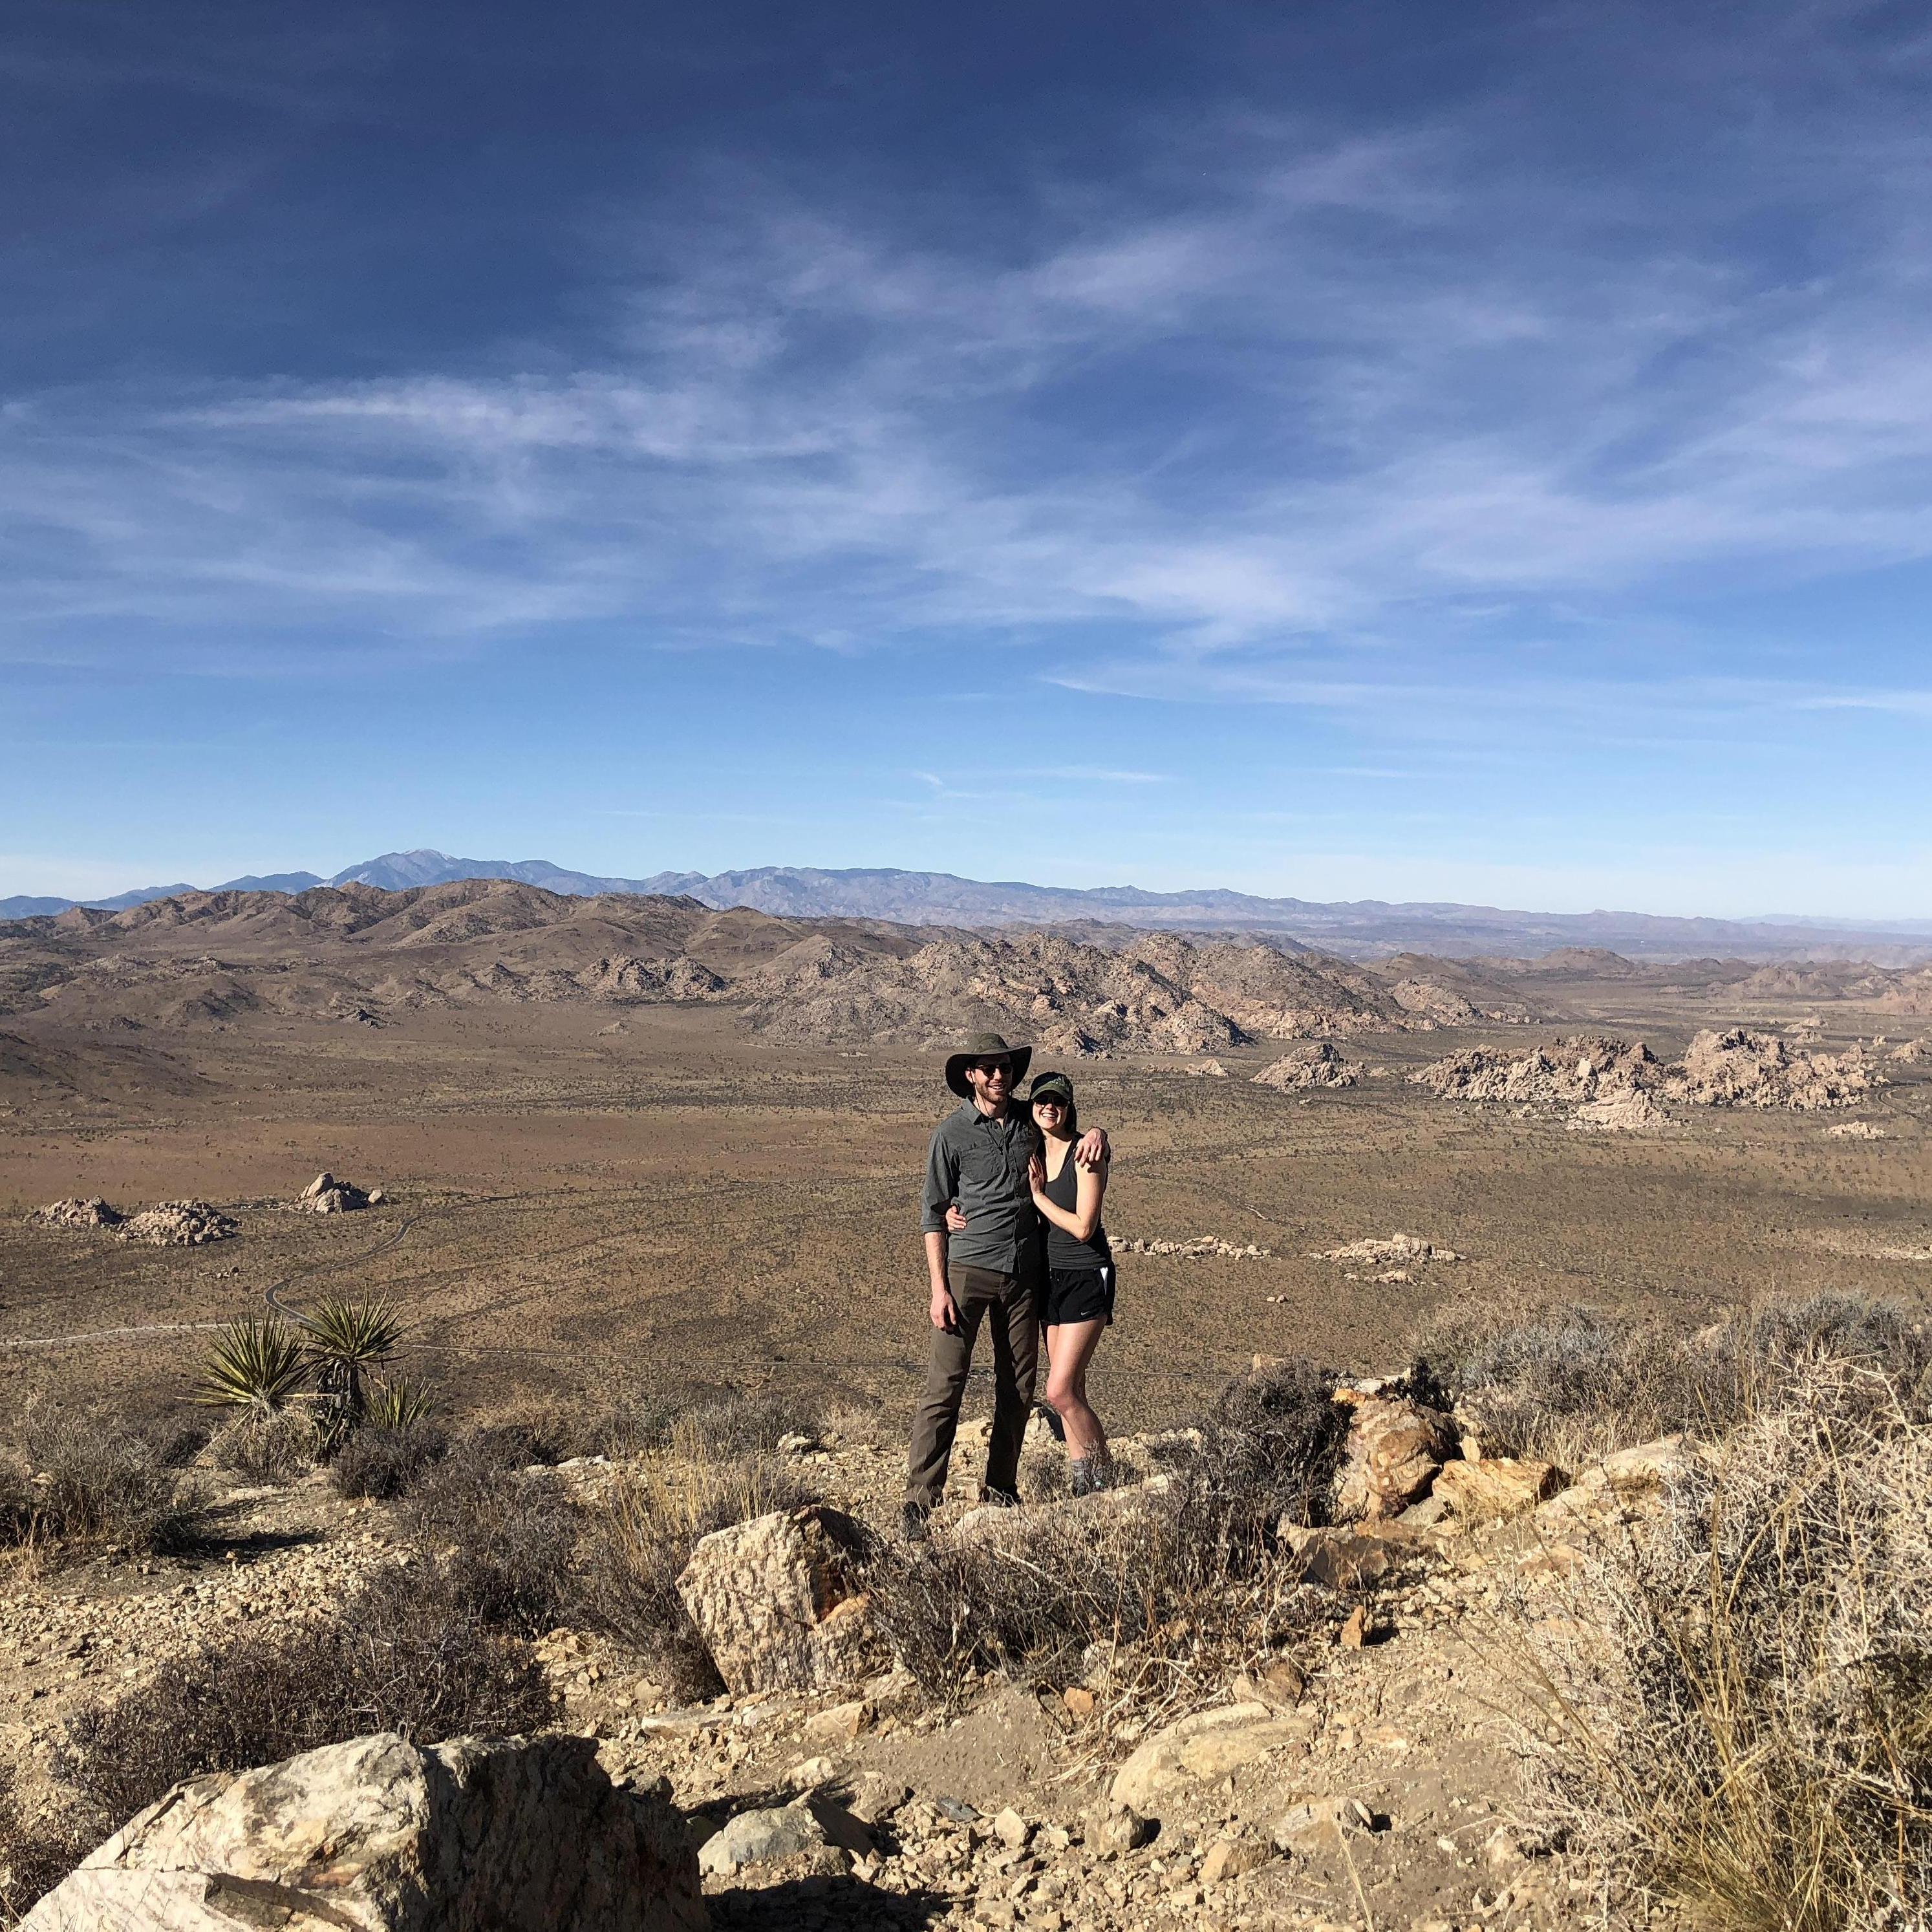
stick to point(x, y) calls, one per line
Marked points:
point(912, 1523)
point(1000, 1498)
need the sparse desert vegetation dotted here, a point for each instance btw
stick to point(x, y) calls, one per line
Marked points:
point(1425, 1535)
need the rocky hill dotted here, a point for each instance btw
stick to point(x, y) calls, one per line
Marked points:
point(361, 953)
point(1364, 929)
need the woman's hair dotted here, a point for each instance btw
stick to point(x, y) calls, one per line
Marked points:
point(1070, 1122)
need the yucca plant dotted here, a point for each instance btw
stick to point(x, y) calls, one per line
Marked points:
point(348, 1338)
point(258, 1363)
point(398, 1404)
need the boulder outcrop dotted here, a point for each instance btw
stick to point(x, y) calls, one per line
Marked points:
point(520, 1835)
point(92, 1212)
point(325, 1195)
point(1319, 1064)
point(178, 1224)
point(1739, 1068)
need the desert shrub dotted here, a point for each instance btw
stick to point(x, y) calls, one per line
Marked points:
point(38, 1848)
point(500, 1543)
point(18, 1517)
point(1270, 1447)
point(1744, 1719)
point(1180, 1576)
point(100, 1481)
point(718, 1423)
point(1578, 1383)
point(268, 1444)
point(406, 1653)
point(384, 1463)
point(638, 1543)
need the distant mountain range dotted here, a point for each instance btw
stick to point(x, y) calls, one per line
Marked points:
point(1363, 928)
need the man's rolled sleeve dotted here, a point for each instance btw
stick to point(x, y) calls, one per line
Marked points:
point(942, 1186)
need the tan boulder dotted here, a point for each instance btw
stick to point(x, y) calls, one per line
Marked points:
point(1318, 1823)
point(1495, 1487)
point(521, 1835)
point(1395, 1447)
point(1230, 1857)
point(1650, 1465)
point(778, 1602)
point(1202, 1750)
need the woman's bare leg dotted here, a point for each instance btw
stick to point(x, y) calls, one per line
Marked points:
point(1070, 1348)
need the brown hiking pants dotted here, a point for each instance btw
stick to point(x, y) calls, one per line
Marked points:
point(1010, 1306)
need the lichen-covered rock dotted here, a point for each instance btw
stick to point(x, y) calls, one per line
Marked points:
point(780, 1604)
point(1395, 1447)
point(520, 1835)
point(761, 1838)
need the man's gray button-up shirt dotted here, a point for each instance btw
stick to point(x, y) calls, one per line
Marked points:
point(981, 1162)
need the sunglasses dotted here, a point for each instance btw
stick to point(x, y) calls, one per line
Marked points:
point(990, 1066)
point(1053, 1100)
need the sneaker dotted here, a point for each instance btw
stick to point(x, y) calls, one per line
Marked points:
point(1000, 1498)
point(912, 1523)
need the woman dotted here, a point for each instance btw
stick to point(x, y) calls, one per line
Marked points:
point(1079, 1275)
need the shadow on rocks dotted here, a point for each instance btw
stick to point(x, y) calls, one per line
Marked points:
point(820, 1901)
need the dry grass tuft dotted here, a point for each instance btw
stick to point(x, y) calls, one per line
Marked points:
point(270, 1445)
point(716, 1425)
point(94, 1483)
point(1578, 1383)
point(1744, 1705)
point(497, 1544)
point(636, 1546)
point(385, 1463)
point(37, 1849)
point(405, 1654)
point(1163, 1591)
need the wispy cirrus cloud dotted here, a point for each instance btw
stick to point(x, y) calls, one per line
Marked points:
point(1344, 419)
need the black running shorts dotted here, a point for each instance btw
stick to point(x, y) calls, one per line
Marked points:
point(1079, 1295)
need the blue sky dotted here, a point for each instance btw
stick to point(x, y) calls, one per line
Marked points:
point(1346, 450)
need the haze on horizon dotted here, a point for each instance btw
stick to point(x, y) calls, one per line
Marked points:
point(1373, 451)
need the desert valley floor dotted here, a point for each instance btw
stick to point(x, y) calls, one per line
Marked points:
point(578, 1202)
point(636, 1155)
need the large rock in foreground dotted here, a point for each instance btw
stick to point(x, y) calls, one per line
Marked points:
point(780, 1602)
point(513, 1835)
point(1395, 1448)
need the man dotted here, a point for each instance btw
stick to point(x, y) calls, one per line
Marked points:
point(991, 1273)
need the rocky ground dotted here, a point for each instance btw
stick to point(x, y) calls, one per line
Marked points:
point(1371, 1777)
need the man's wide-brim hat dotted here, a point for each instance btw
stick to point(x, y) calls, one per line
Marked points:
point(984, 1046)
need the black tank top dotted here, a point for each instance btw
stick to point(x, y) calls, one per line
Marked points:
point(1063, 1251)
